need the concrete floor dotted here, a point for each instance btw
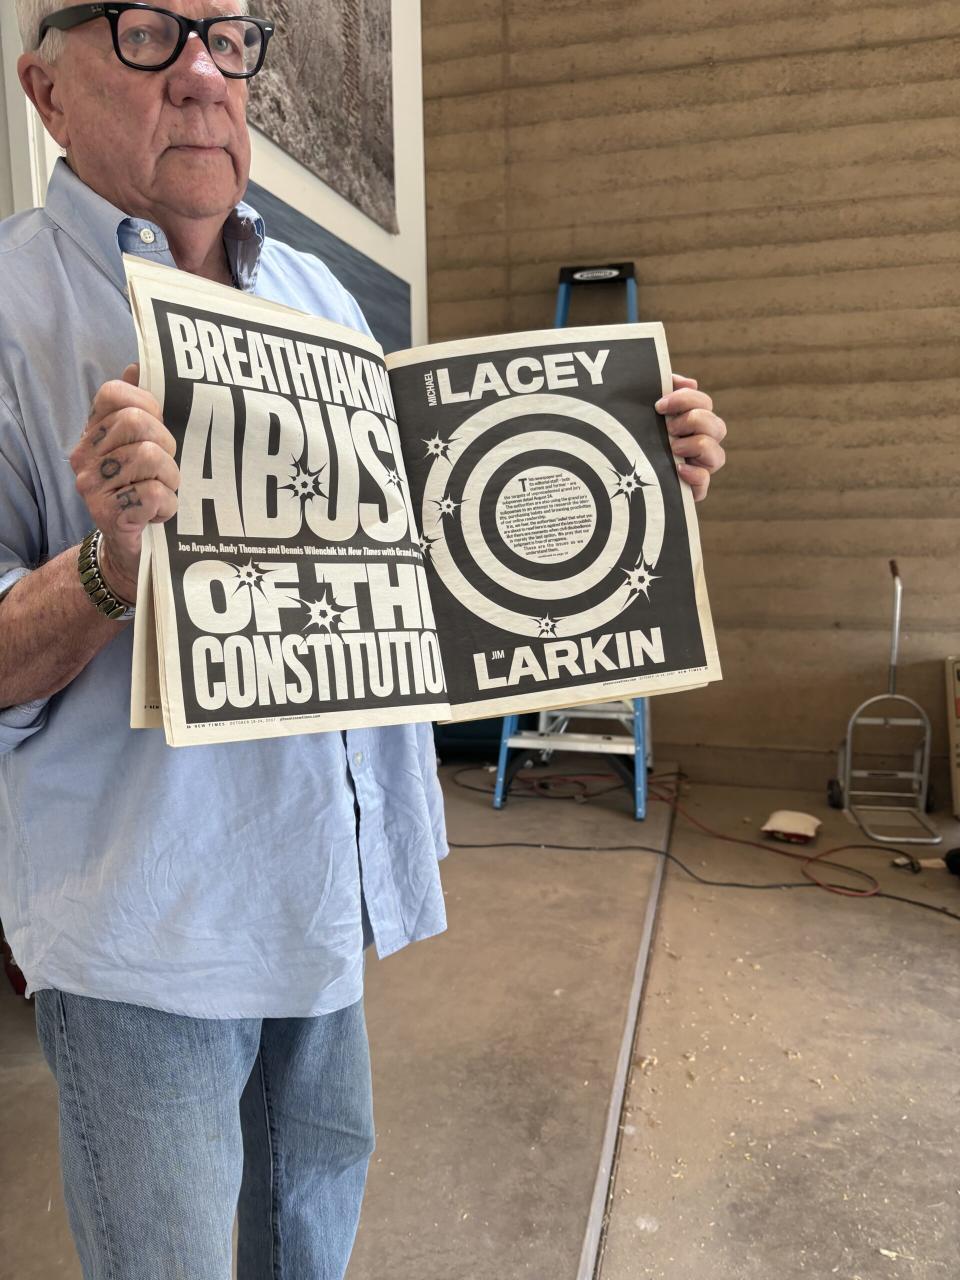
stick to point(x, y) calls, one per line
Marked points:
point(791, 1108)
point(494, 1046)
point(494, 1050)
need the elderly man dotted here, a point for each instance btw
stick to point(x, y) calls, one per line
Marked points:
point(192, 922)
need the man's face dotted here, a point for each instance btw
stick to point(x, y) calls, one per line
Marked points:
point(172, 141)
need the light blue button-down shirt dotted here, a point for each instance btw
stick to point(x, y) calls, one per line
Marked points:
point(218, 881)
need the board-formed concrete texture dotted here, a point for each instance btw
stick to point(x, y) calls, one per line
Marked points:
point(787, 181)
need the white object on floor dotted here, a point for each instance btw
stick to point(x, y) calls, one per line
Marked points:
point(786, 824)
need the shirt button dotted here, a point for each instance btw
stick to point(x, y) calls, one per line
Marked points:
point(147, 236)
point(358, 757)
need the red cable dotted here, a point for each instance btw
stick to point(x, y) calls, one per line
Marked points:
point(807, 859)
point(541, 786)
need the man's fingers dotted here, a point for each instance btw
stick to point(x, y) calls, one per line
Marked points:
point(697, 478)
point(697, 422)
point(125, 428)
point(125, 469)
point(128, 464)
point(140, 504)
point(126, 512)
point(695, 433)
point(683, 401)
point(128, 426)
point(124, 518)
point(703, 450)
point(133, 462)
point(118, 394)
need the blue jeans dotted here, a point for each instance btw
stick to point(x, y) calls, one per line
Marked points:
point(169, 1125)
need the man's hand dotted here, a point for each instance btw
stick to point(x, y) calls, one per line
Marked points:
point(126, 475)
point(695, 432)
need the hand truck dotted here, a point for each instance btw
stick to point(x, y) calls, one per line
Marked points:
point(885, 787)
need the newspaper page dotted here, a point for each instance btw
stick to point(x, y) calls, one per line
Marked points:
point(146, 710)
point(288, 592)
point(562, 547)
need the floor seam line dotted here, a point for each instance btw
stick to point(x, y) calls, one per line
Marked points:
point(595, 1235)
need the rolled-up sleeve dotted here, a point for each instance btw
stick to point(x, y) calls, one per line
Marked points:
point(21, 549)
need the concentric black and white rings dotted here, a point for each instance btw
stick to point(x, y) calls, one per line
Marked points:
point(557, 552)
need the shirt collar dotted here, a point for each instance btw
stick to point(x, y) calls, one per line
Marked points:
point(105, 233)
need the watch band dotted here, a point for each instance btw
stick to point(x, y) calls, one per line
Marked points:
point(98, 593)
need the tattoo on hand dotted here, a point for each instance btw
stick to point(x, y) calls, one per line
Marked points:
point(109, 468)
point(128, 498)
point(101, 433)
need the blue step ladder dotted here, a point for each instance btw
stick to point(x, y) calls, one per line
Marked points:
point(630, 755)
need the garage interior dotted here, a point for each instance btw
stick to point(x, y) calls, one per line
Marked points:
point(675, 1048)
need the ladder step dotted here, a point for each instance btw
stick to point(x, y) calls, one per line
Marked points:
point(602, 742)
point(593, 714)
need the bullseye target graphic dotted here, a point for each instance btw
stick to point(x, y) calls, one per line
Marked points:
point(543, 516)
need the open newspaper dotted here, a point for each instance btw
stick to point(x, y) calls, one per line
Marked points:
point(462, 530)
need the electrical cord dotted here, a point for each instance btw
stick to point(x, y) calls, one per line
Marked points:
point(811, 881)
point(542, 788)
point(716, 884)
point(634, 848)
point(871, 883)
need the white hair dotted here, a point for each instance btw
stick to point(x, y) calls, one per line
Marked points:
point(30, 13)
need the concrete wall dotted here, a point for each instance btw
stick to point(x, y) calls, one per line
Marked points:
point(789, 187)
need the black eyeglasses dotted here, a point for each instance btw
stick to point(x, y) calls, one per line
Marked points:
point(149, 39)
